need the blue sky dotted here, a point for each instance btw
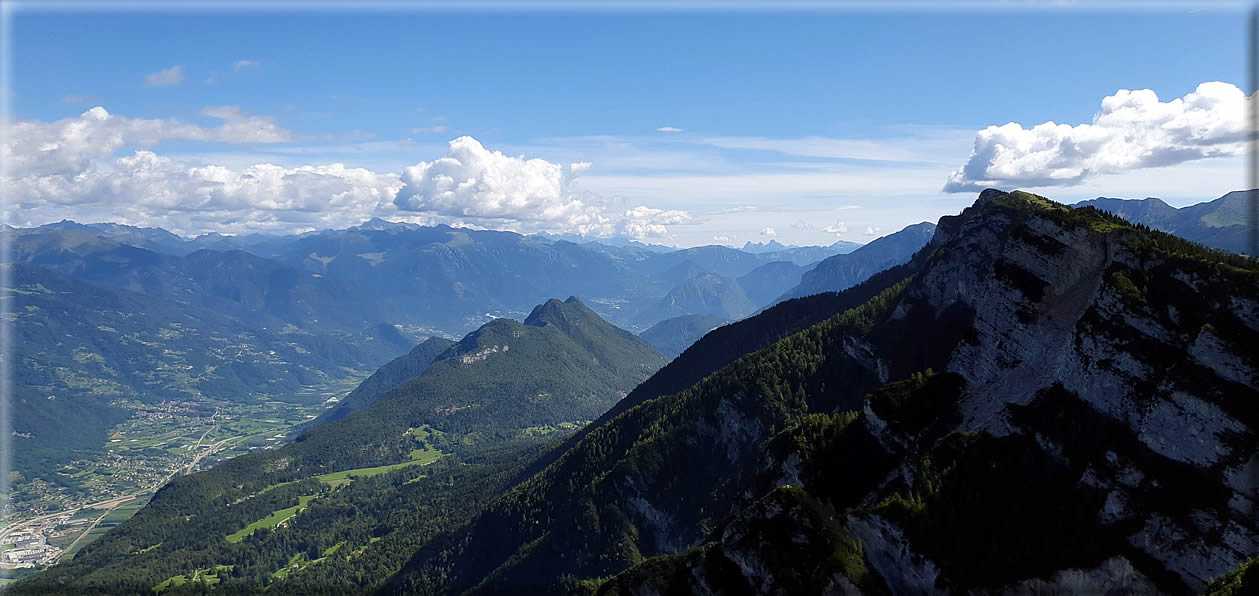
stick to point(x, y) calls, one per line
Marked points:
point(795, 122)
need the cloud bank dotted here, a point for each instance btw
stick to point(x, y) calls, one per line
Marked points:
point(102, 166)
point(1133, 130)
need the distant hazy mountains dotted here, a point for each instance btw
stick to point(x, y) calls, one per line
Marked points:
point(1219, 224)
point(674, 336)
point(841, 272)
point(804, 253)
point(429, 279)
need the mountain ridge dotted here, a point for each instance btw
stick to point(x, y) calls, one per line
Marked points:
point(646, 478)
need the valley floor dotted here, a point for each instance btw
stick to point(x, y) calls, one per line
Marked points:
point(50, 522)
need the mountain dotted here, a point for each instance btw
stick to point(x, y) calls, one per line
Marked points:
point(720, 260)
point(804, 255)
point(454, 279)
point(1219, 224)
point(387, 378)
point(1051, 400)
point(843, 271)
point(379, 483)
point(703, 294)
point(259, 291)
point(800, 255)
point(672, 336)
point(434, 280)
point(759, 247)
point(155, 239)
point(91, 356)
point(770, 280)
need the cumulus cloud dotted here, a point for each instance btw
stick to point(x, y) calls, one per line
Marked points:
point(165, 78)
point(668, 129)
point(872, 231)
point(768, 231)
point(474, 183)
point(722, 239)
point(648, 222)
point(101, 166)
point(145, 187)
point(1133, 130)
point(66, 147)
point(838, 228)
point(240, 65)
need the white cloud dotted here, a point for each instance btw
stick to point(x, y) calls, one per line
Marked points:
point(165, 78)
point(477, 184)
point(145, 188)
point(239, 127)
point(212, 79)
point(648, 222)
point(768, 231)
point(240, 65)
point(722, 239)
point(668, 129)
point(1133, 130)
point(838, 228)
point(872, 231)
point(429, 130)
point(66, 147)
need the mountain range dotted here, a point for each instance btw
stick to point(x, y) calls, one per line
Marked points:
point(1042, 399)
point(1220, 223)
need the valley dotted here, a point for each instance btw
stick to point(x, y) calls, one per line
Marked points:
point(156, 443)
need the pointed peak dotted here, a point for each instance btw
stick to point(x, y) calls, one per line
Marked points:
point(554, 311)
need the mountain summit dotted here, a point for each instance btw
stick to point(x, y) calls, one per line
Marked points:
point(1048, 400)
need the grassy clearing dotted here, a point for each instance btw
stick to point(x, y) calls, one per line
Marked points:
point(566, 427)
point(204, 576)
point(272, 520)
point(420, 458)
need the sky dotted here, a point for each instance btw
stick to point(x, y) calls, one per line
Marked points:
point(680, 128)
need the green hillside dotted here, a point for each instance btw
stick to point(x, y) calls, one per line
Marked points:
point(419, 460)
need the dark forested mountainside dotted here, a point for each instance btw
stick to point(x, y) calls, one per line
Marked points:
point(387, 378)
point(419, 460)
point(1055, 400)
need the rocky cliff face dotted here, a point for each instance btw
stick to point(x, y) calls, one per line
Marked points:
point(1057, 401)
